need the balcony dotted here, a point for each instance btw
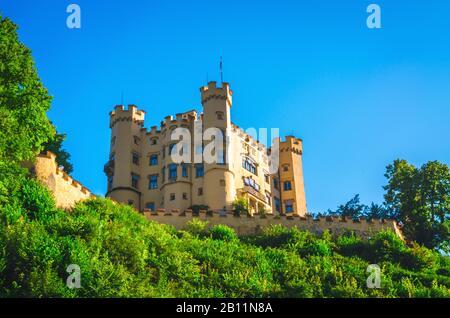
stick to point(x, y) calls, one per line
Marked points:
point(253, 192)
point(109, 168)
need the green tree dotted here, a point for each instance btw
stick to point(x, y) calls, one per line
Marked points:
point(352, 208)
point(24, 101)
point(376, 211)
point(420, 198)
point(62, 156)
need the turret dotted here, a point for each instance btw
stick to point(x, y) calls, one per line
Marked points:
point(124, 184)
point(292, 188)
point(218, 179)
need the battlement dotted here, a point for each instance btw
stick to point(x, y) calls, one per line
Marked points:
point(66, 190)
point(249, 225)
point(212, 91)
point(249, 138)
point(179, 119)
point(131, 114)
point(292, 144)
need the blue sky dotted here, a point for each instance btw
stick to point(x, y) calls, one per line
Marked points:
point(359, 98)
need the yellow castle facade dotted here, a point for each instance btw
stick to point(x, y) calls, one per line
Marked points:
point(143, 172)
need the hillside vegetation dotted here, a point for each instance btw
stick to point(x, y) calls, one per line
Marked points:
point(122, 254)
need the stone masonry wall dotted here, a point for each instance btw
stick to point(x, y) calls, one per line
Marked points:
point(246, 225)
point(65, 189)
point(68, 191)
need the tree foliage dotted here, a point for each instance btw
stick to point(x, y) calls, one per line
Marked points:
point(24, 101)
point(55, 145)
point(420, 198)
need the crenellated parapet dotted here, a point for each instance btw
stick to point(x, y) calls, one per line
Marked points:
point(249, 225)
point(66, 190)
point(248, 138)
point(132, 114)
point(291, 144)
point(212, 91)
point(180, 119)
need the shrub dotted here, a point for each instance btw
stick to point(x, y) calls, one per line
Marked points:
point(240, 207)
point(419, 257)
point(387, 246)
point(349, 245)
point(223, 232)
point(37, 200)
point(196, 227)
point(317, 247)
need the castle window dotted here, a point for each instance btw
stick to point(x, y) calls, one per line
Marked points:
point(289, 206)
point(154, 160)
point(287, 186)
point(285, 167)
point(199, 170)
point(163, 174)
point(113, 140)
point(135, 181)
point(268, 199)
point(266, 178)
point(184, 196)
point(249, 166)
point(277, 204)
point(172, 197)
point(153, 182)
point(219, 115)
point(275, 184)
point(172, 172)
point(222, 182)
point(136, 140)
point(200, 191)
point(150, 206)
point(135, 158)
point(250, 182)
point(154, 141)
point(184, 170)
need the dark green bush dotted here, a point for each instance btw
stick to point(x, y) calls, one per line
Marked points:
point(223, 232)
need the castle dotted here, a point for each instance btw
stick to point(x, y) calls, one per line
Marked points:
point(143, 171)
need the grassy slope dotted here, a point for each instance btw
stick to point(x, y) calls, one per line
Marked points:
point(122, 254)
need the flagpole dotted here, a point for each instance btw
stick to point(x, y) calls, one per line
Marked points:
point(221, 70)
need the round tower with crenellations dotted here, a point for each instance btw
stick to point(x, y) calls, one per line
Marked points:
point(218, 178)
point(124, 184)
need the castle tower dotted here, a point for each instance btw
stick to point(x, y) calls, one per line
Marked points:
point(219, 182)
point(292, 186)
point(123, 167)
